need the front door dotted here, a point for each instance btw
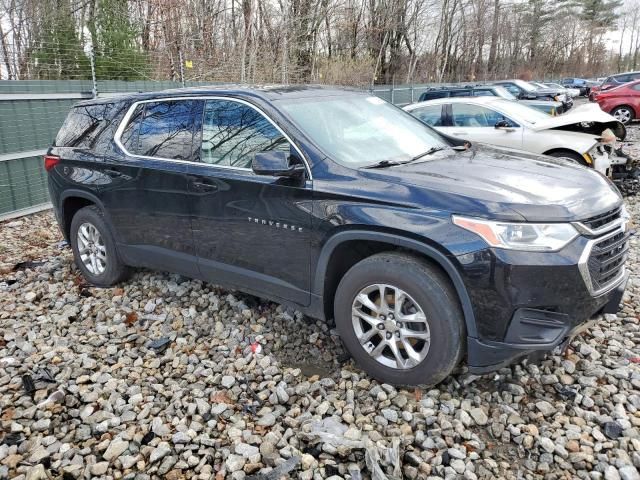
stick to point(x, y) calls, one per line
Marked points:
point(250, 231)
point(477, 123)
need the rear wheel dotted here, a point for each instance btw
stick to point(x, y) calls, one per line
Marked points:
point(624, 114)
point(94, 248)
point(400, 319)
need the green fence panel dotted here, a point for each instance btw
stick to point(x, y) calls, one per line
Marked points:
point(23, 184)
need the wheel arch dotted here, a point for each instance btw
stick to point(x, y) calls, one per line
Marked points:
point(330, 269)
point(70, 202)
point(625, 105)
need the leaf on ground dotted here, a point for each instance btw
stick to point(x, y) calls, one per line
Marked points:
point(131, 318)
point(417, 393)
point(221, 397)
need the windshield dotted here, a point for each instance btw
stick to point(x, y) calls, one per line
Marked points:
point(359, 130)
point(527, 87)
point(504, 93)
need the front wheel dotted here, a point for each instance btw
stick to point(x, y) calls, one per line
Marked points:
point(400, 319)
point(623, 114)
point(576, 157)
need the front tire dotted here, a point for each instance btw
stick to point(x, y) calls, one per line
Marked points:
point(94, 248)
point(400, 319)
point(570, 155)
point(624, 114)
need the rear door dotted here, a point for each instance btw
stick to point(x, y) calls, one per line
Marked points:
point(432, 115)
point(147, 195)
point(252, 231)
point(477, 123)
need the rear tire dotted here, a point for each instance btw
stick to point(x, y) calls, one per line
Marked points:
point(570, 155)
point(94, 248)
point(624, 114)
point(419, 338)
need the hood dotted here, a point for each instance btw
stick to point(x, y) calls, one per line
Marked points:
point(575, 118)
point(547, 91)
point(505, 184)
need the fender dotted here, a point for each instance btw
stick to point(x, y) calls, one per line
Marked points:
point(400, 241)
point(87, 196)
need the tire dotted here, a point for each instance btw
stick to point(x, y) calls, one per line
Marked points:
point(102, 266)
point(624, 114)
point(426, 287)
point(576, 157)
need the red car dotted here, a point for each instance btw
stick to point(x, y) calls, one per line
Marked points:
point(622, 102)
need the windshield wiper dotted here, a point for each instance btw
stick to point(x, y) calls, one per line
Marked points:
point(392, 163)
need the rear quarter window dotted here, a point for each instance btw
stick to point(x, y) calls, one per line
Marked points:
point(86, 125)
point(433, 95)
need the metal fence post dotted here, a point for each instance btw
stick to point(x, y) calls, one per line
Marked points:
point(92, 59)
point(181, 67)
point(412, 100)
point(392, 94)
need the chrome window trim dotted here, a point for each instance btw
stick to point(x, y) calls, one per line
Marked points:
point(127, 117)
point(583, 266)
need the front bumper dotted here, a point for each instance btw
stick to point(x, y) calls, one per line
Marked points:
point(526, 303)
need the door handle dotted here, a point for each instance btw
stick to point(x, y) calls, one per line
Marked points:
point(205, 187)
point(112, 173)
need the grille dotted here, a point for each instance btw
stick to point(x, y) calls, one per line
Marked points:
point(606, 260)
point(603, 219)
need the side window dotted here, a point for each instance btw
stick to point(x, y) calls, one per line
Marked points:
point(85, 124)
point(166, 130)
point(461, 93)
point(433, 95)
point(232, 133)
point(483, 93)
point(476, 116)
point(431, 115)
point(636, 86)
point(129, 137)
point(622, 78)
point(512, 88)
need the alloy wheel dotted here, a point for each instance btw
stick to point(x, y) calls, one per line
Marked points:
point(622, 115)
point(91, 248)
point(391, 326)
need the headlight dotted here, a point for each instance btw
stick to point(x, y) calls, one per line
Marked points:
point(533, 237)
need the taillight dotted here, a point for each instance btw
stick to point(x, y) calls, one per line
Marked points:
point(51, 161)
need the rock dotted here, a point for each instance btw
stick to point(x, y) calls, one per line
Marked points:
point(180, 437)
point(30, 296)
point(629, 472)
point(479, 416)
point(267, 420)
point(390, 414)
point(233, 463)
point(99, 468)
point(612, 430)
point(547, 444)
point(116, 448)
point(162, 450)
point(227, 382)
point(545, 408)
point(37, 472)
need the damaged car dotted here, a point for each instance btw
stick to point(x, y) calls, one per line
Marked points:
point(586, 135)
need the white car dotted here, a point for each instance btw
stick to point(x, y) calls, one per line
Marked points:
point(494, 121)
point(573, 92)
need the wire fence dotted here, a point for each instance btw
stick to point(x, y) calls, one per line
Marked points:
point(40, 82)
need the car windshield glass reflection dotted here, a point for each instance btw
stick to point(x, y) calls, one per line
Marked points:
point(359, 130)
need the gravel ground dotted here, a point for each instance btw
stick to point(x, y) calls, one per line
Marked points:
point(244, 387)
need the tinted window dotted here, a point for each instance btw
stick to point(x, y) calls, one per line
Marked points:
point(512, 88)
point(636, 86)
point(166, 130)
point(461, 93)
point(483, 93)
point(431, 115)
point(85, 124)
point(232, 133)
point(475, 116)
point(622, 78)
point(433, 95)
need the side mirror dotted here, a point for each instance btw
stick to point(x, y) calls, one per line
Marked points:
point(504, 126)
point(530, 96)
point(276, 164)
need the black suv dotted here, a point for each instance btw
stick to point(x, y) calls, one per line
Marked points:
point(525, 91)
point(424, 250)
